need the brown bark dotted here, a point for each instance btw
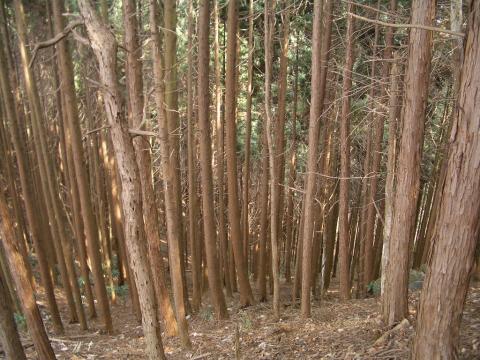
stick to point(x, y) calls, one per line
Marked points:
point(193, 227)
point(263, 231)
point(457, 232)
point(320, 54)
point(220, 167)
point(343, 221)
point(9, 337)
point(25, 290)
point(409, 157)
point(248, 136)
point(105, 49)
point(246, 296)
point(205, 161)
point(172, 219)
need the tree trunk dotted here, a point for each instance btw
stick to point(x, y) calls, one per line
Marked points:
point(395, 304)
point(25, 290)
point(447, 281)
point(105, 48)
point(246, 296)
point(343, 223)
point(173, 233)
point(206, 160)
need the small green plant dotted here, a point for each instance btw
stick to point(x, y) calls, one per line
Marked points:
point(20, 321)
point(206, 313)
point(120, 291)
point(245, 321)
point(374, 287)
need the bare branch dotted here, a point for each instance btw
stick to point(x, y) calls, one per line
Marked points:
point(410, 26)
point(50, 42)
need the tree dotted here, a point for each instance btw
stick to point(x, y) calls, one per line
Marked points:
point(105, 49)
point(18, 267)
point(9, 337)
point(320, 51)
point(205, 161)
point(457, 229)
point(173, 228)
point(343, 221)
point(246, 296)
point(394, 300)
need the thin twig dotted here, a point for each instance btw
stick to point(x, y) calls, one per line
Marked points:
point(409, 26)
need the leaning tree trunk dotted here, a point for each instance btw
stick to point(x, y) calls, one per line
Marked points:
point(458, 226)
point(105, 48)
point(18, 267)
point(9, 337)
point(395, 304)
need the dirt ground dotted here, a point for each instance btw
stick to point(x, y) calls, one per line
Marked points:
point(337, 330)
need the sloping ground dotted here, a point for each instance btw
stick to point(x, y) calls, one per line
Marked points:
point(337, 330)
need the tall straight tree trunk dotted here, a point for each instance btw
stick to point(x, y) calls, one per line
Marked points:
point(409, 157)
point(377, 120)
point(343, 210)
point(18, 267)
point(272, 133)
point(447, 281)
point(394, 107)
point(173, 228)
point(292, 175)
point(246, 296)
point(248, 135)
point(38, 236)
point(194, 240)
point(320, 53)
point(174, 129)
point(281, 117)
point(142, 152)
point(206, 160)
point(263, 230)
point(105, 49)
point(220, 168)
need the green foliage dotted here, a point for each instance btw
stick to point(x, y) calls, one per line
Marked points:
point(20, 321)
point(121, 291)
point(415, 282)
point(245, 321)
point(206, 313)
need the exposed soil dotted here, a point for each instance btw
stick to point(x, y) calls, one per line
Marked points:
point(337, 330)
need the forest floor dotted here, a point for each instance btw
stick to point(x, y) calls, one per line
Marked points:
point(337, 330)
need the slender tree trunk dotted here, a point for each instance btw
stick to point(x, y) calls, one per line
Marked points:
point(173, 228)
point(248, 135)
point(320, 53)
point(246, 296)
point(194, 240)
point(343, 221)
point(105, 48)
point(409, 157)
point(219, 144)
point(206, 160)
point(447, 281)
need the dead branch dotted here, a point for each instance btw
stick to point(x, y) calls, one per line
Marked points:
point(409, 26)
point(50, 42)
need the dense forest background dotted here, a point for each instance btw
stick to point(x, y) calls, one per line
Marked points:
point(246, 172)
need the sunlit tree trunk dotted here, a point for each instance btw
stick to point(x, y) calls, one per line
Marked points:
point(447, 281)
point(409, 157)
point(105, 49)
